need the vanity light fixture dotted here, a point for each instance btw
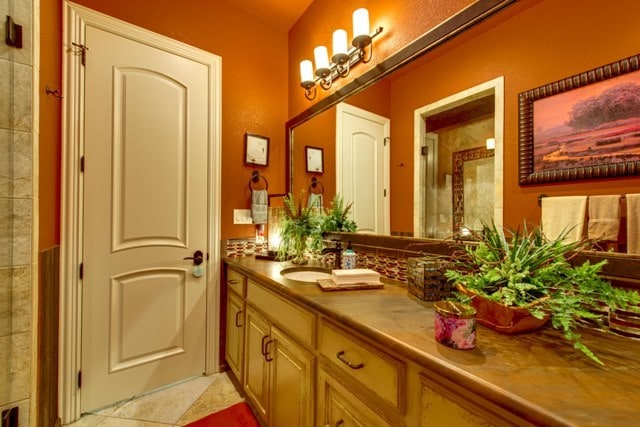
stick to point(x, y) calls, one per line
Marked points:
point(343, 57)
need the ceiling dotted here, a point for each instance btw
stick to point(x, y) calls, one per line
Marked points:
point(281, 13)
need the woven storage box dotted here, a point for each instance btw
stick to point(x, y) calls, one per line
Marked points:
point(426, 279)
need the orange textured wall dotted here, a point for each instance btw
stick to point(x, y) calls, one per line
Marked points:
point(50, 125)
point(321, 133)
point(403, 21)
point(530, 43)
point(254, 81)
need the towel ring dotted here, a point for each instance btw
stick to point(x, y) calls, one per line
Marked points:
point(255, 178)
point(314, 185)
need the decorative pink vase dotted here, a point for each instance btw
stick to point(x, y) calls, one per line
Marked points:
point(455, 324)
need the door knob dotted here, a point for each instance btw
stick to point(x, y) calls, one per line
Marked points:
point(198, 257)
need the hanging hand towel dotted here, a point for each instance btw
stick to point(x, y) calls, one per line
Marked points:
point(259, 209)
point(314, 201)
point(564, 215)
point(633, 223)
point(604, 217)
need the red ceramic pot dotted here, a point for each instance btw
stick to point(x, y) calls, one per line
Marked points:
point(502, 318)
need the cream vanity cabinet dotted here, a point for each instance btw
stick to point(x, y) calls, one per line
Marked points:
point(235, 322)
point(279, 365)
point(359, 384)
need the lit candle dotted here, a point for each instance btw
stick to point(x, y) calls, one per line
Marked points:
point(360, 23)
point(322, 59)
point(306, 72)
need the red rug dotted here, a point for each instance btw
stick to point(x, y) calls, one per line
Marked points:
point(238, 415)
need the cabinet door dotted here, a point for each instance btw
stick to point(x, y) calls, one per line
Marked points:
point(291, 368)
point(234, 344)
point(256, 373)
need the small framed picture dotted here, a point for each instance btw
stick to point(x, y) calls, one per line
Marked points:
point(314, 159)
point(256, 150)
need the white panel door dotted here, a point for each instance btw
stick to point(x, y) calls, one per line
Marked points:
point(145, 210)
point(363, 167)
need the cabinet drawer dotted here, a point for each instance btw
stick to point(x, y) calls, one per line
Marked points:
point(235, 281)
point(377, 371)
point(337, 406)
point(297, 321)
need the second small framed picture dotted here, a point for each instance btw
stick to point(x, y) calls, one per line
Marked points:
point(256, 149)
point(314, 157)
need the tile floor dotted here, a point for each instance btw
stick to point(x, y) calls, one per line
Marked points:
point(175, 405)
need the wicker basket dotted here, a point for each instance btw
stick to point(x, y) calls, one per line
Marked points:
point(426, 279)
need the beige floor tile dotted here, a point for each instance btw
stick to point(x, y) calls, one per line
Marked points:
point(219, 395)
point(165, 405)
point(88, 420)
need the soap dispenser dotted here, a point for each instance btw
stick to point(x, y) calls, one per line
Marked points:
point(349, 258)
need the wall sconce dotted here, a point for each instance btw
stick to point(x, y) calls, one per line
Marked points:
point(343, 57)
point(491, 143)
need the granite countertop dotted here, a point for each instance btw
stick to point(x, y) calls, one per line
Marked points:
point(538, 375)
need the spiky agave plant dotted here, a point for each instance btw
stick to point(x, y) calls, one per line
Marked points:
point(530, 268)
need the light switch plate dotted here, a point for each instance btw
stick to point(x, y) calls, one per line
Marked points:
point(242, 216)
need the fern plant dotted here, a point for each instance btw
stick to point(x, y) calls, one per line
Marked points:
point(530, 268)
point(300, 230)
point(336, 217)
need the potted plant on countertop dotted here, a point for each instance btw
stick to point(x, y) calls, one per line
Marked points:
point(300, 230)
point(336, 217)
point(523, 283)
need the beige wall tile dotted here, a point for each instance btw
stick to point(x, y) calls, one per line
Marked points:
point(23, 411)
point(21, 11)
point(15, 355)
point(15, 300)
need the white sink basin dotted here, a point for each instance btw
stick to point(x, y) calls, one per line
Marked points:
point(306, 274)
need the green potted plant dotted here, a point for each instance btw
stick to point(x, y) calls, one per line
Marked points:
point(336, 217)
point(300, 230)
point(533, 278)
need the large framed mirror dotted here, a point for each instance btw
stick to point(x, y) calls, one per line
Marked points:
point(431, 211)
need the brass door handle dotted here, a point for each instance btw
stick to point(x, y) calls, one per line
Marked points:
point(238, 323)
point(266, 351)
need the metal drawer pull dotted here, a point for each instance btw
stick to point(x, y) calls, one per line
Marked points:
point(346, 362)
point(237, 314)
point(263, 350)
point(266, 351)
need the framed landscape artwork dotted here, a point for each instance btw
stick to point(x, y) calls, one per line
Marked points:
point(583, 127)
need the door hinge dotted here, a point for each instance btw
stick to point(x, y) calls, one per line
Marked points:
point(385, 192)
point(387, 140)
point(81, 50)
point(81, 270)
point(82, 164)
point(424, 150)
point(79, 379)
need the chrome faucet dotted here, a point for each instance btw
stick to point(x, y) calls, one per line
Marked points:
point(337, 251)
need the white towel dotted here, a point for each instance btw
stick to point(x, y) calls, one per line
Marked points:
point(564, 215)
point(604, 217)
point(633, 223)
point(259, 211)
point(314, 201)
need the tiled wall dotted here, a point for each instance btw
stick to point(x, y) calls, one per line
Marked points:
point(17, 201)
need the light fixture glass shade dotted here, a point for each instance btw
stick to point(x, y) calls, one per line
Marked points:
point(491, 143)
point(306, 73)
point(361, 36)
point(322, 60)
point(340, 47)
